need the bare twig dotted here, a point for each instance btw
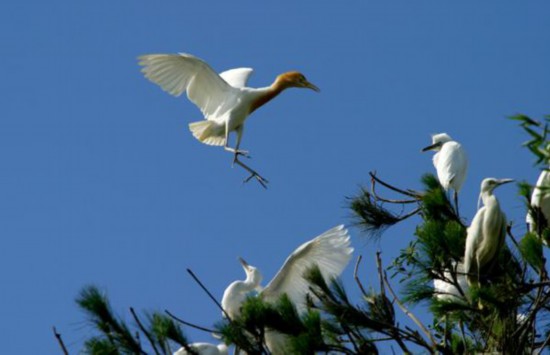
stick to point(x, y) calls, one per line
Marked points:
point(509, 232)
point(410, 214)
point(395, 331)
point(140, 325)
point(546, 342)
point(409, 313)
point(380, 273)
point(190, 324)
point(412, 194)
point(379, 198)
point(356, 276)
point(208, 293)
point(60, 341)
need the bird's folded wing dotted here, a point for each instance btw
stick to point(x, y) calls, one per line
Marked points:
point(237, 77)
point(451, 161)
point(541, 196)
point(474, 238)
point(331, 252)
point(178, 73)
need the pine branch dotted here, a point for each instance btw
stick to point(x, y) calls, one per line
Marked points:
point(147, 335)
point(414, 194)
point(190, 324)
point(356, 276)
point(60, 341)
point(208, 293)
point(411, 316)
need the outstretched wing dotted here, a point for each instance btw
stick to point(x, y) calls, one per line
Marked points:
point(179, 73)
point(331, 252)
point(237, 77)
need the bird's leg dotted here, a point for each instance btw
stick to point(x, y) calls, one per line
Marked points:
point(235, 150)
point(253, 174)
point(238, 152)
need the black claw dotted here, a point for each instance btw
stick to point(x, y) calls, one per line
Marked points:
point(260, 179)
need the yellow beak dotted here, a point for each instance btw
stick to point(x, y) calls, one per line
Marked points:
point(309, 85)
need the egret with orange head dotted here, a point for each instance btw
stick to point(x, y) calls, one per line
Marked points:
point(224, 99)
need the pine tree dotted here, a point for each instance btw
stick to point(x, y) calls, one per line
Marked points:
point(507, 312)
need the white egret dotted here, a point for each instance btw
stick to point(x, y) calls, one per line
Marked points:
point(331, 252)
point(540, 201)
point(204, 349)
point(485, 236)
point(446, 290)
point(450, 161)
point(224, 99)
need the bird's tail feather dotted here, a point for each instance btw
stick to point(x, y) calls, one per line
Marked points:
point(206, 132)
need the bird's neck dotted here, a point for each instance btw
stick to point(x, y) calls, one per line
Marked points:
point(267, 94)
point(252, 282)
point(489, 199)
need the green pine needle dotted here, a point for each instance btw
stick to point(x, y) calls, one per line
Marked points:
point(371, 216)
point(164, 328)
point(530, 247)
point(99, 310)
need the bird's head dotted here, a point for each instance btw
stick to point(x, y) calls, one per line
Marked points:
point(253, 275)
point(489, 184)
point(294, 79)
point(437, 141)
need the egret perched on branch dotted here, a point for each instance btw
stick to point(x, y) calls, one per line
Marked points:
point(204, 349)
point(540, 202)
point(450, 161)
point(224, 99)
point(485, 236)
point(331, 252)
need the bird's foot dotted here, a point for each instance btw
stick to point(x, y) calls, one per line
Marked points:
point(258, 177)
point(238, 152)
point(253, 173)
point(244, 153)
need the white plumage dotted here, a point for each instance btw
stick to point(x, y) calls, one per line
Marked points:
point(446, 290)
point(485, 236)
point(331, 252)
point(204, 349)
point(540, 199)
point(224, 99)
point(450, 161)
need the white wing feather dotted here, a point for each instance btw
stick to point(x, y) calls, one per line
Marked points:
point(237, 77)
point(179, 73)
point(451, 164)
point(473, 239)
point(204, 349)
point(331, 252)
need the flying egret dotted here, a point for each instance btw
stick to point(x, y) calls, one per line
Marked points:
point(450, 161)
point(224, 99)
point(540, 201)
point(331, 252)
point(204, 349)
point(446, 290)
point(485, 236)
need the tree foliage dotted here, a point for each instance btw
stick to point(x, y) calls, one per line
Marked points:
point(509, 312)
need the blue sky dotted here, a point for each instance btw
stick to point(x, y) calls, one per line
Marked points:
point(103, 184)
